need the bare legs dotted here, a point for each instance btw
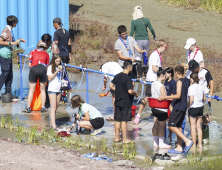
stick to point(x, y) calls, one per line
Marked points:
point(43, 95)
point(142, 105)
point(123, 126)
point(195, 124)
point(85, 125)
point(31, 92)
point(54, 102)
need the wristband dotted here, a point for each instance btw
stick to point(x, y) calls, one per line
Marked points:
point(9, 43)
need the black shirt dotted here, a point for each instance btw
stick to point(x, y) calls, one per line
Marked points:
point(63, 40)
point(123, 83)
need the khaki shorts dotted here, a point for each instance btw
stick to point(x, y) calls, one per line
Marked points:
point(207, 110)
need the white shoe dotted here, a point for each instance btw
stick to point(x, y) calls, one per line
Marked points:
point(178, 157)
point(95, 132)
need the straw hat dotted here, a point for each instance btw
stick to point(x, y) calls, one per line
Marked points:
point(137, 13)
point(41, 44)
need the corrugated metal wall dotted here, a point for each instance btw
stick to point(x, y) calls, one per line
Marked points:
point(35, 18)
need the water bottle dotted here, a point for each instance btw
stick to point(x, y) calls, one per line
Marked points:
point(213, 131)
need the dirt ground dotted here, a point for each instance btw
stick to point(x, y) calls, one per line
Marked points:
point(204, 26)
point(23, 156)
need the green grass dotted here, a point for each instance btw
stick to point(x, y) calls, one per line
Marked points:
point(213, 5)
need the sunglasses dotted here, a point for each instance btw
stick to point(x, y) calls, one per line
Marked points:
point(165, 46)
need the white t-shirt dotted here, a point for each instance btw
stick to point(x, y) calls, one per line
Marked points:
point(153, 60)
point(93, 112)
point(198, 57)
point(155, 91)
point(197, 91)
point(55, 83)
point(112, 68)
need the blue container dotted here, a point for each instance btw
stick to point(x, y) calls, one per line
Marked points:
point(35, 18)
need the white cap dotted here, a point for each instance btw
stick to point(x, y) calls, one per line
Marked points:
point(190, 42)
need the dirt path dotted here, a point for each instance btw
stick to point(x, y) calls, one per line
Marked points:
point(205, 26)
point(22, 156)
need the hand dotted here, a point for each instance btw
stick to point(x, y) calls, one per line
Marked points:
point(58, 70)
point(136, 95)
point(160, 98)
point(69, 58)
point(22, 40)
point(104, 88)
point(132, 59)
point(143, 51)
point(15, 43)
point(155, 39)
point(77, 116)
point(209, 99)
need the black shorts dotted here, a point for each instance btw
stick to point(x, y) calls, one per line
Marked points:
point(122, 114)
point(160, 115)
point(176, 118)
point(148, 90)
point(196, 112)
point(133, 73)
point(38, 71)
point(65, 59)
point(97, 123)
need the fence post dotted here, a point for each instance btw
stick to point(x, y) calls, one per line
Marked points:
point(87, 87)
point(21, 85)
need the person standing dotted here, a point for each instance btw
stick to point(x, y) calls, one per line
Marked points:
point(124, 93)
point(155, 62)
point(111, 68)
point(193, 53)
point(63, 39)
point(7, 39)
point(125, 49)
point(139, 26)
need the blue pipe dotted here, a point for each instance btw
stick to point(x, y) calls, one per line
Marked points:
point(21, 85)
point(87, 87)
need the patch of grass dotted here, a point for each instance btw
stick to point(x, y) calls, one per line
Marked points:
point(32, 135)
point(2, 123)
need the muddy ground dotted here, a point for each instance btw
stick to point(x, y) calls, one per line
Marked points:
point(184, 23)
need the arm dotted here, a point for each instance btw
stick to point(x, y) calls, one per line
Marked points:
point(2, 42)
point(204, 98)
point(104, 85)
point(163, 91)
point(132, 29)
point(86, 117)
point(120, 55)
point(30, 64)
point(155, 68)
point(211, 84)
point(132, 92)
point(112, 87)
point(69, 44)
point(176, 96)
point(139, 50)
point(191, 100)
point(50, 77)
point(151, 29)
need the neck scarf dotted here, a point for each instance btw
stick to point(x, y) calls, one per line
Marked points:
point(161, 59)
point(197, 49)
point(127, 45)
point(63, 30)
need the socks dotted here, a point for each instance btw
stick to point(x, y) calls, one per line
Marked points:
point(162, 145)
point(138, 115)
point(156, 141)
point(43, 107)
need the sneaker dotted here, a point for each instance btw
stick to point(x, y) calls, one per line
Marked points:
point(44, 110)
point(137, 120)
point(27, 110)
point(178, 157)
point(95, 132)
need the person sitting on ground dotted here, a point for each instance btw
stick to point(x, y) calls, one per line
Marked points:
point(7, 40)
point(111, 68)
point(196, 98)
point(170, 85)
point(38, 62)
point(160, 115)
point(124, 93)
point(91, 117)
point(125, 49)
point(139, 25)
point(63, 39)
point(206, 80)
point(179, 110)
point(54, 73)
point(193, 53)
point(155, 62)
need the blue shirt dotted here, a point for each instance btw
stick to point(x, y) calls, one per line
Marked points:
point(170, 87)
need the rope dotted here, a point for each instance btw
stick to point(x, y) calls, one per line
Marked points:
point(141, 93)
point(100, 83)
point(23, 66)
point(81, 78)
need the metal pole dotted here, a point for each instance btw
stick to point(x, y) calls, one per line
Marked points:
point(87, 87)
point(21, 85)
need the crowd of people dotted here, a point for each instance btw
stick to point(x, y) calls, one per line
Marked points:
point(187, 93)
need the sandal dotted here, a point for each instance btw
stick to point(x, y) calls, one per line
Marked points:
point(111, 119)
point(27, 110)
point(44, 110)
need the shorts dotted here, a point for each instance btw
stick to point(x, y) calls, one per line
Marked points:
point(97, 123)
point(160, 115)
point(148, 90)
point(65, 59)
point(196, 112)
point(122, 114)
point(176, 118)
point(51, 92)
point(133, 73)
point(206, 110)
point(38, 71)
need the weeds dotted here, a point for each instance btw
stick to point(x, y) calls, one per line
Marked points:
point(126, 151)
point(114, 147)
point(2, 122)
point(133, 150)
point(20, 134)
point(104, 145)
point(32, 135)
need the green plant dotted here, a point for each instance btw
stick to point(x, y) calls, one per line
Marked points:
point(88, 142)
point(104, 145)
point(126, 151)
point(2, 122)
point(20, 134)
point(193, 159)
point(114, 147)
point(32, 135)
point(133, 150)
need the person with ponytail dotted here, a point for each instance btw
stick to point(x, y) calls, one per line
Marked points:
point(196, 98)
point(160, 115)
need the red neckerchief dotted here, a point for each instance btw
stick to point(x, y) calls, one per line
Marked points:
point(161, 59)
point(197, 49)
